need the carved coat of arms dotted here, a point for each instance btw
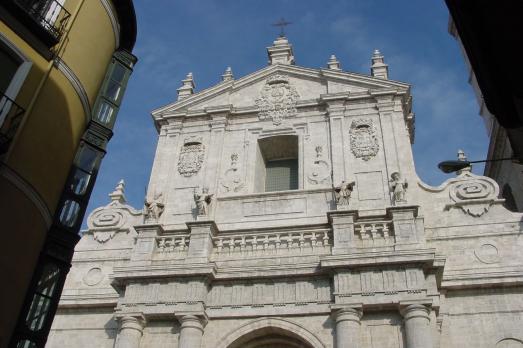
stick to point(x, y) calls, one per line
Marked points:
point(191, 158)
point(277, 99)
point(363, 139)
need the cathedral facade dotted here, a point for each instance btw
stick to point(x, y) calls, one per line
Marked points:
point(284, 210)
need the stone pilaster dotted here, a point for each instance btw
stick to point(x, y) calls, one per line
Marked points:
point(191, 331)
point(217, 125)
point(342, 222)
point(336, 112)
point(131, 330)
point(200, 246)
point(348, 327)
point(418, 331)
point(165, 159)
point(385, 106)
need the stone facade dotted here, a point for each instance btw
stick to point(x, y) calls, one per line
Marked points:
point(361, 254)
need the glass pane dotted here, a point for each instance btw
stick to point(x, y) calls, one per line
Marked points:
point(42, 298)
point(105, 113)
point(87, 158)
point(25, 344)
point(113, 90)
point(118, 73)
point(281, 175)
point(47, 283)
point(69, 213)
point(80, 181)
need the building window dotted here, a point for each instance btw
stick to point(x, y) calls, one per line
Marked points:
point(43, 296)
point(113, 89)
point(12, 75)
point(277, 164)
point(281, 175)
point(25, 344)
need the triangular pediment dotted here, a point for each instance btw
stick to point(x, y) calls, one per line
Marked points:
point(308, 83)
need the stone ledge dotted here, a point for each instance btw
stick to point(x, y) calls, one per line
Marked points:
point(121, 274)
point(426, 256)
point(474, 278)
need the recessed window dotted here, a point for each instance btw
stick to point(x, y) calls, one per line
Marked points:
point(277, 164)
point(281, 175)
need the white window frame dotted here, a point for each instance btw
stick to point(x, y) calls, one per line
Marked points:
point(18, 79)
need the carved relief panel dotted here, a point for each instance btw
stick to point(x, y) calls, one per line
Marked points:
point(277, 99)
point(363, 139)
point(192, 155)
point(320, 169)
point(232, 180)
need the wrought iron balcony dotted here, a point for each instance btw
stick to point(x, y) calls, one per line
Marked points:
point(45, 18)
point(10, 117)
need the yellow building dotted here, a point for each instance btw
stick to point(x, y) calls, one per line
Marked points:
point(64, 66)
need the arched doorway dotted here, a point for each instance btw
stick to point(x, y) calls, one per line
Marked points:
point(270, 333)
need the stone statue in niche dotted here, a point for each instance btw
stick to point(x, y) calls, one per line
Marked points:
point(277, 99)
point(203, 200)
point(154, 207)
point(342, 193)
point(398, 187)
point(320, 171)
point(363, 139)
point(191, 158)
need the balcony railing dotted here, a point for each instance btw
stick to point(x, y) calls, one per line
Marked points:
point(10, 117)
point(47, 18)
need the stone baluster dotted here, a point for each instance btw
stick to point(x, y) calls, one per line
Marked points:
point(417, 326)
point(348, 327)
point(131, 330)
point(191, 331)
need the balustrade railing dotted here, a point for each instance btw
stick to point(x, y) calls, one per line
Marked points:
point(172, 246)
point(374, 233)
point(264, 244)
point(10, 117)
point(47, 15)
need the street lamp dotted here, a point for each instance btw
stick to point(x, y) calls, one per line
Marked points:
point(454, 166)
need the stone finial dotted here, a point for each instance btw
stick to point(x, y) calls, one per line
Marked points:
point(379, 68)
point(118, 194)
point(463, 157)
point(187, 87)
point(227, 75)
point(333, 63)
point(281, 52)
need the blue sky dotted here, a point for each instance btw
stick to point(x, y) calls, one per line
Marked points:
point(204, 37)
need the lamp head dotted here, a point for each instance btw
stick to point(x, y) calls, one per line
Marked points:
point(453, 166)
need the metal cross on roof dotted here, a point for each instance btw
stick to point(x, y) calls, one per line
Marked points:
point(282, 24)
